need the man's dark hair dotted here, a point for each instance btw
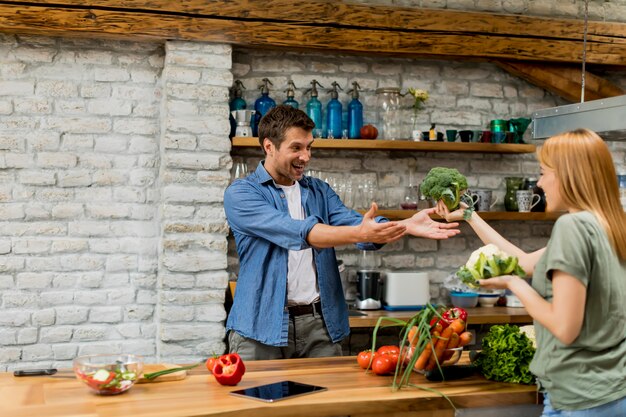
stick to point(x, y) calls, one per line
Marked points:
point(275, 123)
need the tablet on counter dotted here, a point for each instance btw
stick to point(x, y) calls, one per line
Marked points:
point(277, 391)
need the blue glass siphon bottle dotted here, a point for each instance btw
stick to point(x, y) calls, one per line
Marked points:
point(237, 103)
point(314, 108)
point(262, 105)
point(334, 111)
point(355, 113)
point(291, 92)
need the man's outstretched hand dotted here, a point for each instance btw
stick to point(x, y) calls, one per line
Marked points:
point(421, 225)
point(380, 232)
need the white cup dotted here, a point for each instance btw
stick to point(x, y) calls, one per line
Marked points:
point(526, 200)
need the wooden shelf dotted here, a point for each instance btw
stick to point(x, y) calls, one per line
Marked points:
point(485, 215)
point(402, 145)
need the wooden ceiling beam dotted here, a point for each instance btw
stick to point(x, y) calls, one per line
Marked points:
point(325, 25)
point(563, 80)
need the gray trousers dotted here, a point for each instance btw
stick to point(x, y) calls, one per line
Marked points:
point(308, 338)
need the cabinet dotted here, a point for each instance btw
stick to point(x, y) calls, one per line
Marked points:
point(405, 145)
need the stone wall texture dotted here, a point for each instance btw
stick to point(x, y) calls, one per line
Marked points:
point(114, 157)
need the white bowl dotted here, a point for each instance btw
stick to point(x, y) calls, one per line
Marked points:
point(488, 300)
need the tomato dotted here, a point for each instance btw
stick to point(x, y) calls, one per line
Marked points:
point(383, 350)
point(364, 358)
point(210, 363)
point(383, 365)
point(369, 132)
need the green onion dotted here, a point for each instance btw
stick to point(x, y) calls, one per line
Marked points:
point(153, 375)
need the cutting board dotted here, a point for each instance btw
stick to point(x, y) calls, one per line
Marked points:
point(155, 367)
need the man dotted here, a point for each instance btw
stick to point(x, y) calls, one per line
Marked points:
point(289, 300)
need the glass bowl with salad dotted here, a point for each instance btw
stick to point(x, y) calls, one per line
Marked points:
point(108, 374)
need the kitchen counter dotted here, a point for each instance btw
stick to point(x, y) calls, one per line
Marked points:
point(476, 315)
point(350, 392)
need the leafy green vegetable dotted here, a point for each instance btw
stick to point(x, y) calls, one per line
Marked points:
point(506, 355)
point(444, 184)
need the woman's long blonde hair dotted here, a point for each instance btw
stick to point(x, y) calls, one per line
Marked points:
point(587, 180)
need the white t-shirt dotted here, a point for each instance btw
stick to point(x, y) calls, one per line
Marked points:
point(301, 275)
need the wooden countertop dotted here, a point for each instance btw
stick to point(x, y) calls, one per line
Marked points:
point(350, 392)
point(476, 315)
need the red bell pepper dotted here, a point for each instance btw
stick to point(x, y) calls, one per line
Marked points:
point(449, 316)
point(229, 369)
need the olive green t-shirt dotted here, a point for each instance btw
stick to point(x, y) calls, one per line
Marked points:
point(592, 370)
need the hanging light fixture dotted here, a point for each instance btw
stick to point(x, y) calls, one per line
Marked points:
point(607, 116)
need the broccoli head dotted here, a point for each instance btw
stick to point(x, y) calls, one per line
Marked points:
point(444, 184)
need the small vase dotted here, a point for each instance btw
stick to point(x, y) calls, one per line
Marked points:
point(510, 199)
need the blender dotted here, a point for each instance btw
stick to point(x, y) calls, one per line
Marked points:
point(369, 286)
point(243, 118)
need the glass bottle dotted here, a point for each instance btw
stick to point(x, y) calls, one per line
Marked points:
point(314, 109)
point(531, 184)
point(237, 103)
point(388, 101)
point(262, 104)
point(291, 92)
point(334, 111)
point(355, 113)
point(512, 185)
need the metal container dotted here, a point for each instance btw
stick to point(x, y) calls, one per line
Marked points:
point(369, 290)
point(498, 125)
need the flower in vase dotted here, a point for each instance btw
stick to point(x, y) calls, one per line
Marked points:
point(420, 97)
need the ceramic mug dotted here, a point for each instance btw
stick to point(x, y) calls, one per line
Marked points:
point(451, 135)
point(526, 200)
point(484, 200)
point(466, 135)
point(486, 136)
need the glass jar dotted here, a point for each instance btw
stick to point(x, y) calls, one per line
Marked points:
point(389, 103)
point(512, 185)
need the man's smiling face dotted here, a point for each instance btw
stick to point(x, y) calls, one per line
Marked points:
point(287, 163)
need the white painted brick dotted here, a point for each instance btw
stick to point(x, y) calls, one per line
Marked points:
point(71, 315)
point(141, 75)
point(112, 211)
point(111, 74)
point(134, 229)
point(67, 211)
point(105, 315)
point(138, 312)
point(196, 92)
point(56, 298)
point(6, 107)
point(94, 349)
point(38, 352)
point(217, 279)
point(90, 298)
point(61, 280)
point(32, 105)
point(129, 194)
point(97, 161)
point(78, 124)
point(142, 177)
point(57, 334)
point(30, 246)
point(27, 336)
point(90, 56)
point(54, 195)
point(12, 141)
point(180, 141)
point(178, 281)
point(89, 334)
point(43, 317)
point(14, 317)
point(182, 108)
point(74, 178)
point(8, 337)
point(16, 88)
point(195, 161)
point(10, 354)
point(109, 107)
point(172, 314)
point(177, 212)
point(136, 126)
point(72, 142)
point(37, 212)
point(146, 110)
point(6, 282)
point(211, 312)
point(41, 177)
point(146, 297)
point(129, 330)
point(146, 281)
point(5, 246)
point(81, 262)
point(143, 144)
point(72, 107)
point(217, 77)
point(56, 160)
point(134, 92)
point(93, 194)
point(194, 59)
point(121, 297)
point(20, 300)
point(95, 90)
point(9, 70)
point(144, 348)
point(18, 160)
point(11, 212)
point(179, 332)
point(214, 143)
point(194, 261)
point(182, 75)
point(43, 141)
point(185, 194)
point(68, 246)
point(191, 297)
point(486, 90)
point(64, 352)
point(119, 263)
point(56, 88)
point(91, 280)
point(17, 123)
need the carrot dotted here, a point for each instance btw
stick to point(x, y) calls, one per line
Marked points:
point(458, 326)
point(465, 338)
point(423, 358)
point(438, 327)
point(413, 336)
point(440, 347)
point(453, 343)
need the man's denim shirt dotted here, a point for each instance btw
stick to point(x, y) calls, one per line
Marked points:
point(258, 216)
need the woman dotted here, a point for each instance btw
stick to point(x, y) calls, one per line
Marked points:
point(578, 293)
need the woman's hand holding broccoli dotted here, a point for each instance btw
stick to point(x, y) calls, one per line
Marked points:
point(456, 215)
